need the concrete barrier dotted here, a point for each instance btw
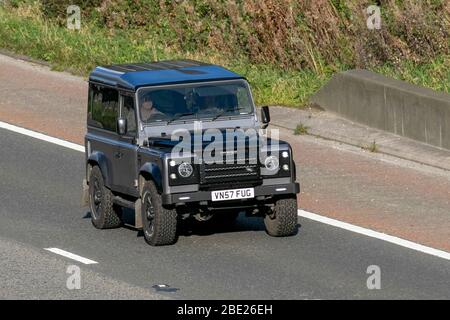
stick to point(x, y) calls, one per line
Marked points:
point(387, 104)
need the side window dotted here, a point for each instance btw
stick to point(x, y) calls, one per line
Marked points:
point(105, 108)
point(110, 105)
point(95, 116)
point(129, 114)
point(89, 107)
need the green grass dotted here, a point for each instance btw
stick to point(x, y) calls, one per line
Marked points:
point(25, 31)
point(435, 74)
point(373, 147)
point(301, 129)
point(80, 51)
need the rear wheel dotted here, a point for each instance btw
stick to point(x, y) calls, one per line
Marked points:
point(104, 214)
point(282, 220)
point(158, 223)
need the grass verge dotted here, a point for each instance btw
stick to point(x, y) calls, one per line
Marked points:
point(27, 32)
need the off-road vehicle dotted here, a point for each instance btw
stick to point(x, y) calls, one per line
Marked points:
point(140, 114)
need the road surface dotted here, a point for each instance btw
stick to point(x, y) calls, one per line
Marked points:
point(40, 192)
point(40, 196)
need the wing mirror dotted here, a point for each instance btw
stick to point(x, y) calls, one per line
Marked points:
point(265, 116)
point(121, 126)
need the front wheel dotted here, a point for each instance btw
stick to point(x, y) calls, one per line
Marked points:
point(158, 223)
point(282, 220)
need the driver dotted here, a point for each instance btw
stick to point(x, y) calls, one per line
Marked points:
point(148, 108)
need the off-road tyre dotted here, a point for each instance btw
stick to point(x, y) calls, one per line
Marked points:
point(104, 214)
point(159, 224)
point(282, 220)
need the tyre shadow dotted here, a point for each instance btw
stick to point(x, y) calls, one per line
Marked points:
point(192, 227)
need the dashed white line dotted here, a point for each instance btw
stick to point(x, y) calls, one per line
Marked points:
point(375, 234)
point(70, 255)
point(309, 215)
point(41, 136)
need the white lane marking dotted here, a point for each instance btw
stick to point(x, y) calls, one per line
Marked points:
point(375, 234)
point(71, 255)
point(302, 213)
point(41, 136)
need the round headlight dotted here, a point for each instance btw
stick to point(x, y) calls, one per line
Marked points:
point(272, 163)
point(185, 170)
point(285, 154)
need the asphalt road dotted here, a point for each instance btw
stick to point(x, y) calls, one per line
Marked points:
point(367, 189)
point(40, 192)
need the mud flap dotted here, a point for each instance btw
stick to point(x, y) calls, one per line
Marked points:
point(85, 194)
point(138, 214)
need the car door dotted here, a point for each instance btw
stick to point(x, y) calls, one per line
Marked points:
point(125, 154)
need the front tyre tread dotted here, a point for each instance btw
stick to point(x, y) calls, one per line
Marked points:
point(164, 230)
point(284, 218)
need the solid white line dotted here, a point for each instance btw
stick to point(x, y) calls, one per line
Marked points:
point(41, 136)
point(71, 256)
point(302, 213)
point(375, 234)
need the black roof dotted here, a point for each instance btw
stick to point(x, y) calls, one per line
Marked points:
point(135, 75)
point(158, 65)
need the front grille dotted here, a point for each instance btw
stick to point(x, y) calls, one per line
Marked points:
point(229, 175)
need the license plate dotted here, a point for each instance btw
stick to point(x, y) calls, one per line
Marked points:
point(234, 194)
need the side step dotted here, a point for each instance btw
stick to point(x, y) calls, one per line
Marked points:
point(135, 205)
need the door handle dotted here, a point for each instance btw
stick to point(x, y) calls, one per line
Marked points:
point(118, 154)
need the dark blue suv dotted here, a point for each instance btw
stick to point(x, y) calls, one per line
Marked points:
point(180, 139)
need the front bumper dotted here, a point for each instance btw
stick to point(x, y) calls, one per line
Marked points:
point(205, 196)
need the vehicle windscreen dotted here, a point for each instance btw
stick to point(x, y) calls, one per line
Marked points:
point(195, 101)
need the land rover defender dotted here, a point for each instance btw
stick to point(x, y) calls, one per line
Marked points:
point(181, 139)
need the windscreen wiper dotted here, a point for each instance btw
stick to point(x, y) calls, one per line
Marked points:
point(225, 111)
point(179, 115)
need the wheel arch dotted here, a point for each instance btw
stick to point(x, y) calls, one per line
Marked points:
point(152, 172)
point(97, 158)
